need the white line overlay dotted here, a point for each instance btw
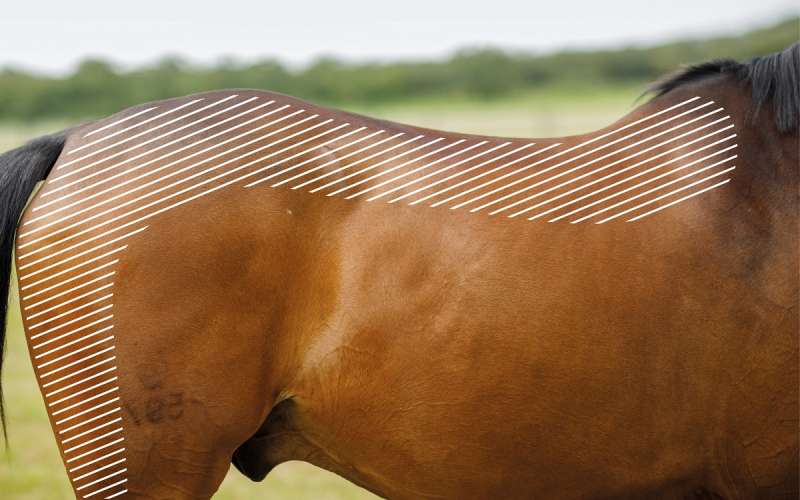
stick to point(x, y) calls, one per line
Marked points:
point(119, 175)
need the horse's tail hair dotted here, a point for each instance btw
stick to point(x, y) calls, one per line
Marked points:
point(20, 170)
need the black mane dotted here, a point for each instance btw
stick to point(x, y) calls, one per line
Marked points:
point(775, 77)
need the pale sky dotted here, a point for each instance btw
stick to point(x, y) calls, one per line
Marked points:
point(54, 37)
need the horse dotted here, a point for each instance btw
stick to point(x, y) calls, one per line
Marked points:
point(241, 277)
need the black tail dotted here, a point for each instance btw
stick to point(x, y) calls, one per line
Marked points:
point(20, 170)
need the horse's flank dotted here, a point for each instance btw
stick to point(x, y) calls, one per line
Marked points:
point(418, 350)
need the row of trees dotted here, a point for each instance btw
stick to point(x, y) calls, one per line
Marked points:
point(96, 87)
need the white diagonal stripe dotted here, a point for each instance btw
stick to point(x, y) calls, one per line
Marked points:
point(590, 162)
point(404, 174)
point(90, 452)
point(665, 195)
point(417, 169)
point(107, 179)
point(118, 122)
point(66, 323)
point(69, 280)
point(82, 391)
point(662, 196)
point(371, 167)
point(93, 440)
point(623, 202)
point(117, 494)
point(70, 311)
point(568, 160)
point(414, 175)
point(79, 329)
point(82, 381)
point(160, 168)
point(87, 464)
point(457, 174)
point(77, 255)
point(105, 488)
point(609, 165)
point(613, 163)
point(349, 165)
point(335, 160)
point(348, 155)
point(70, 290)
point(104, 478)
point(70, 269)
point(178, 193)
point(301, 153)
point(88, 410)
point(305, 162)
point(72, 162)
point(149, 151)
point(70, 248)
point(93, 366)
point(166, 187)
point(568, 150)
point(586, 143)
point(193, 197)
point(129, 149)
point(93, 429)
point(628, 179)
point(626, 169)
point(90, 420)
point(83, 402)
point(62, 304)
point(392, 169)
point(76, 362)
point(439, 171)
point(76, 351)
point(73, 342)
point(679, 200)
point(127, 129)
point(95, 471)
point(480, 175)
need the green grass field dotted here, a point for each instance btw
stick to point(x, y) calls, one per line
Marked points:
point(32, 468)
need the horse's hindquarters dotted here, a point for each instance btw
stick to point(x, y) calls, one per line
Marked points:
point(163, 378)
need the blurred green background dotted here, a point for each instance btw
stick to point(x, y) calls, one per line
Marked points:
point(481, 91)
point(467, 78)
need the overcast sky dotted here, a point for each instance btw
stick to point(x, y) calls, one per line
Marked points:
point(53, 38)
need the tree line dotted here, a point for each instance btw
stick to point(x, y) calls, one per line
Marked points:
point(96, 87)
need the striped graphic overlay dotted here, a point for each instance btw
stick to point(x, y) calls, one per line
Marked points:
point(112, 182)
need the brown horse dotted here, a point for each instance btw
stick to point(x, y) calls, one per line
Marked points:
point(427, 314)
